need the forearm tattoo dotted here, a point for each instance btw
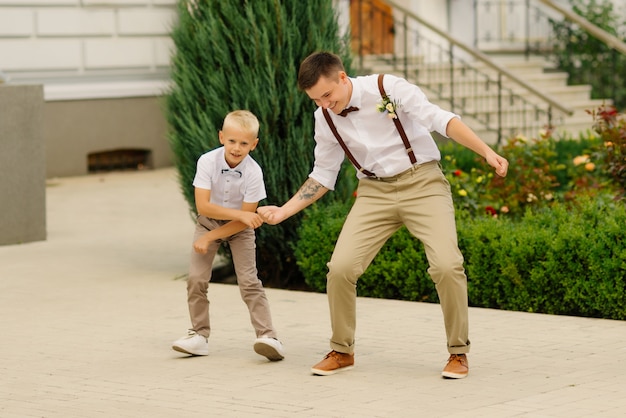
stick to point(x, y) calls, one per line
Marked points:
point(309, 189)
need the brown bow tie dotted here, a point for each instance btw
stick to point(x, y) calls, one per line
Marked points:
point(347, 110)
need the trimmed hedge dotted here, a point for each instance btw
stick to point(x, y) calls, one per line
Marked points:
point(568, 260)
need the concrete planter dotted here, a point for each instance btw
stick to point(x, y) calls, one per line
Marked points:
point(22, 165)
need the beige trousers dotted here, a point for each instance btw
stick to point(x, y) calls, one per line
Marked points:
point(243, 250)
point(421, 200)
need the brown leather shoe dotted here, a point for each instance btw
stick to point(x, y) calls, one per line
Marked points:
point(457, 367)
point(333, 362)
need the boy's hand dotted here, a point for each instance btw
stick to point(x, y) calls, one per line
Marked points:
point(271, 214)
point(251, 219)
point(201, 246)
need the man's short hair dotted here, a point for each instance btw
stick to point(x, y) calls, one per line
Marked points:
point(316, 65)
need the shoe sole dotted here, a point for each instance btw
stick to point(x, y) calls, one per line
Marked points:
point(268, 351)
point(319, 372)
point(182, 350)
point(448, 375)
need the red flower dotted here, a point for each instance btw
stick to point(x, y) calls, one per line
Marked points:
point(457, 173)
point(607, 112)
point(491, 211)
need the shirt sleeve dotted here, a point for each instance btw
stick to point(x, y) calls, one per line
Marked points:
point(414, 103)
point(328, 154)
point(204, 168)
point(255, 186)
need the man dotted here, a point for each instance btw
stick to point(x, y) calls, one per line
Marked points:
point(400, 183)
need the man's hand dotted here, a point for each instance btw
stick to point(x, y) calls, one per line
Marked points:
point(499, 163)
point(309, 192)
point(272, 214)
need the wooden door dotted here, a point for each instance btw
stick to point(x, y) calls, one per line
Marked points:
point(372, 27)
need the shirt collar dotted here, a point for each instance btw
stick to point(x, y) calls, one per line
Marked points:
point(357, 93)
point(225, 168)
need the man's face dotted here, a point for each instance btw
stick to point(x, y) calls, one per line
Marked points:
point(237, 144)
point(330, 93)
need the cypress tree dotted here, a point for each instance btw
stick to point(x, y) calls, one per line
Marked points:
point(245, 55)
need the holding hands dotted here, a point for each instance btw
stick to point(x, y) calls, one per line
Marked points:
point(251, 219)
point(272, 214)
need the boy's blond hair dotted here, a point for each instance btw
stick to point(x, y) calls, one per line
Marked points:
point(243, 119)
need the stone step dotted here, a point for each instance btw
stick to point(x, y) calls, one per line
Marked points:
point(481, 98)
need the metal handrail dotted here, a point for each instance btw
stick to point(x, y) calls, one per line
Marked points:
point(547, 36)
point(480, 57)
point(610, 40)
point(484, 70)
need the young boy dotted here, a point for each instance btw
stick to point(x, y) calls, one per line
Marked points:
point(228, 187)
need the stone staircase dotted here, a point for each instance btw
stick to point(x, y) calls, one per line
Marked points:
point(481, 99)
point(542, 74)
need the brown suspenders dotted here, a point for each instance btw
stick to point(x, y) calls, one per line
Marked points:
point(343, 145)
point(396, 121)
point(405, 140)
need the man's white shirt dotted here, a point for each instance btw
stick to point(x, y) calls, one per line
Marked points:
point(372, 137)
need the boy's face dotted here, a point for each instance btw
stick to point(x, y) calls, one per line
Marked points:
point(237, 144)
point(332, 94)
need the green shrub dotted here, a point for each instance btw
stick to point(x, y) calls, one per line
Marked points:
point(569, 259)
point(318, 234)
point(397, 272)
point(561, 253)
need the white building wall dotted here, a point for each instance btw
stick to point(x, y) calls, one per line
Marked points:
point(108, 48)
point(95, 43)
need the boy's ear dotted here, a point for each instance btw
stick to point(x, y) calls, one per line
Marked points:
point(256, 142)
point(220, 135)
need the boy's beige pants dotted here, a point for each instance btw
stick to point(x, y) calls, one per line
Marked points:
point(243, 250)
point(421, 200)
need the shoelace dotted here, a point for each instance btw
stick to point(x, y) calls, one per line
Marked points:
point(458, 358)
point(335, 355)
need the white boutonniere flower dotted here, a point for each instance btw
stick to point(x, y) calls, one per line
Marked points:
point(389, 106)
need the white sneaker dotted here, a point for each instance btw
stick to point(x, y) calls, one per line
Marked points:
point(193, 343)
point(270, 348)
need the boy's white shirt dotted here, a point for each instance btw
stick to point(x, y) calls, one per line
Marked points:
point(228, 188)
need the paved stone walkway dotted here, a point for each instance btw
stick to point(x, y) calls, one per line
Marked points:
point(87, 318)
